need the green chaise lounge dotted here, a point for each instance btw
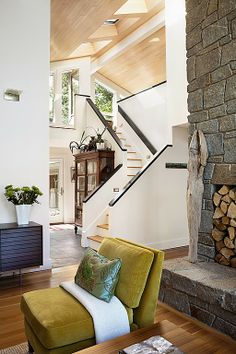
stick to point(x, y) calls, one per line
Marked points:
point(56, 323)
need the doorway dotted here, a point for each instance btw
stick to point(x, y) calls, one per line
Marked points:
point(56, 191)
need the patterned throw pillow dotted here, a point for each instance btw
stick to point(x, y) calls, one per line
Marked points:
point(98, 275)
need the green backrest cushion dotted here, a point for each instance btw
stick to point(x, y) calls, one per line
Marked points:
point(144, 315)
point(98, 275)
point(135, 267)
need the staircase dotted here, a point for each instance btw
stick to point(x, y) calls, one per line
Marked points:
point(134, 161)
point(134, 164)
point(102, 231)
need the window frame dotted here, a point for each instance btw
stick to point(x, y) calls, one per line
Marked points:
point(58, 117)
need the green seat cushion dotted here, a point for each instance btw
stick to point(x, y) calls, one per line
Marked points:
point(135, 267)
point(98, 275)
point(57, 318)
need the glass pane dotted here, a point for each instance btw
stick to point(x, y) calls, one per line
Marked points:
point(91, 167)
point(91, 183)
point(80, 198)
point(81, 168)
point(66, 98)
point(104, 100)
point(78, 216)
point(54, 189)
point(51, 98)
point(105, 168)
point(74, 90)
point(81, 183)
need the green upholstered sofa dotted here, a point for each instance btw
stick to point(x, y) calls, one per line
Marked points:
point(56, 323)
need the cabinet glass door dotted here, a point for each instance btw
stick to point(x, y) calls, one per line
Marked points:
point(81, 183)
point(91, 183)
point(91, 166)
point(106, 167)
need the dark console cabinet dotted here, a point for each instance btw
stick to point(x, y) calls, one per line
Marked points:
point(20, 246)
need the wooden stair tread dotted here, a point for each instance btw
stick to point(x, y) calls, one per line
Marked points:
point(96, 238)
point(122, 138)
point(103, 226)
point(127, 145)
point(134, 159)
point(131, 175)
point(131, 152)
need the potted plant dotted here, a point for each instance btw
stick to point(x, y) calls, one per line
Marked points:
point(22, 198)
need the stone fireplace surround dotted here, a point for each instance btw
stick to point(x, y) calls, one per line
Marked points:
point(207, 290)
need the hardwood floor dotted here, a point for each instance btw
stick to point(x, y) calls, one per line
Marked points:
point(204, 340)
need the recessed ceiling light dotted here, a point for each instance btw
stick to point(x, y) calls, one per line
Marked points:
point(111, 21)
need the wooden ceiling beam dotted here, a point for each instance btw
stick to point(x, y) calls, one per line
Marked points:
point(144, 31)
point(104, 32)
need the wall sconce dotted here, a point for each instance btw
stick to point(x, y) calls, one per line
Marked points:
point(12, 95)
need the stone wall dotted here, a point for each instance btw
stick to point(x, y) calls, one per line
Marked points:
point(211, 70)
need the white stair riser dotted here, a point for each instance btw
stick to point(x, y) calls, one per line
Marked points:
point(102, 232)
point(94, 245)
point(131, 170)
point(129, 178)
point(134, 163)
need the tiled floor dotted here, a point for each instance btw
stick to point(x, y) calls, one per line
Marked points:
point(65, 248)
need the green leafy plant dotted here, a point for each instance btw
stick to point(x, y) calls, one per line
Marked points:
point(22, 195)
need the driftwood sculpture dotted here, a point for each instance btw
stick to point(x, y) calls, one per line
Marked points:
point(197, 161)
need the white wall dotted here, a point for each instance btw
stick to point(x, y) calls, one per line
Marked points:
point(69, 187)
point(148, 111)
point(176, 62)
point(153, 211)
point(24, 143)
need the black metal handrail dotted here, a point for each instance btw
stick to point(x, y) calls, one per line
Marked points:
point(104, 122)
point(82, 95)
point(136, 177)
point(137, 130)
point(102, 184)
point(135, 94)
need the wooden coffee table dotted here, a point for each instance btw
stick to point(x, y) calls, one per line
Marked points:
point(168, 330)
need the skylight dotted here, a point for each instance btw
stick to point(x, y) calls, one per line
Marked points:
point(111, 21)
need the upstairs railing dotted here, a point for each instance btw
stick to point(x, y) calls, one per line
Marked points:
point(104, 122)
point(137, 131)
point(138, 93)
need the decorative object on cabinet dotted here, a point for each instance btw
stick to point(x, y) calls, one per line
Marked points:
point(88, 142)
point(91, 169)
point(22, 198)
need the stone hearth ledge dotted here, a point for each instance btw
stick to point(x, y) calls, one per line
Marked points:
point(205, 290)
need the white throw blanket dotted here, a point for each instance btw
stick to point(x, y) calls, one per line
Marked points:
point(110, 319)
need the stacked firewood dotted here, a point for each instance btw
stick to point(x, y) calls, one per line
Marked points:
point(224, 220)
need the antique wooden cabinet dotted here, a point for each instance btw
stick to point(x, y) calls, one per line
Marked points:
point(91, 168)
point(20, 246)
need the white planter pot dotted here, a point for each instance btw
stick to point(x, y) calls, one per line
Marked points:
point(23, 214)
point(100, 146)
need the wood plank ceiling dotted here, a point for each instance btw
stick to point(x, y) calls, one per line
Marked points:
point(143, 66)
point(73, 21)
point(78, 30)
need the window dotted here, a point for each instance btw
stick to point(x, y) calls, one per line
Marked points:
point(70, 86)
point(51, 98)
point(63, 86)
point(104, 100)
